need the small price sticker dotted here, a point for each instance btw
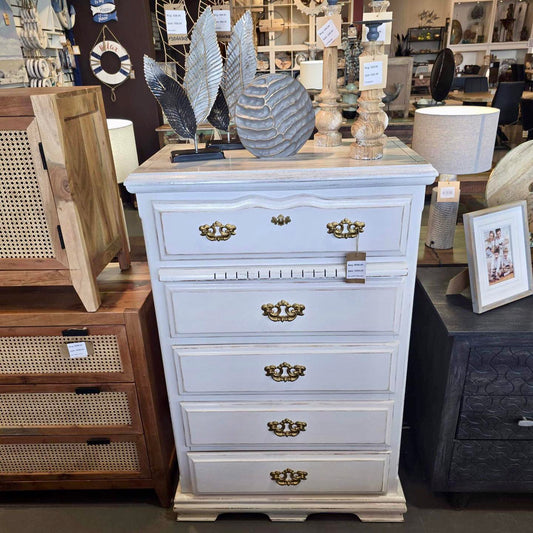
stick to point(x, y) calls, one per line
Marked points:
point(448, 191)
point(77, 350)
point(356, 267)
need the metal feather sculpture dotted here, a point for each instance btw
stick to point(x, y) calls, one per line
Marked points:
point(172, 99)
point(241, 61)
point(219, 115)
point(186, 107)
point(203, 66)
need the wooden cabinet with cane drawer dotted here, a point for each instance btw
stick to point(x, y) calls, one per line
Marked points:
point(285, 382)
point(82, 400)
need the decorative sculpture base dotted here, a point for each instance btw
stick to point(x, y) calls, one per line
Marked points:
point(225, 145)
point(203, 154)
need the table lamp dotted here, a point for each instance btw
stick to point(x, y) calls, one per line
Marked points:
point(123, 147)
point(455, 140)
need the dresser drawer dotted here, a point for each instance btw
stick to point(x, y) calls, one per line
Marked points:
point(287, 423)
point(40, 355)
point(284, 308)
point(492, 465)
point(72, 457)
point(65, 409)
point(286, 368)
point(298, 225)
point(500, 371)
point(496, 417)
point(296, 473)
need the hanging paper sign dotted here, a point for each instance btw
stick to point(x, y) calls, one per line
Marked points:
point(356, 267)
point(385, 30)
point(176, 24)
point(223, 22)
point(328, 30)
point(102, 18)
point(372, 72)
point(101, 2)
point(448, 191)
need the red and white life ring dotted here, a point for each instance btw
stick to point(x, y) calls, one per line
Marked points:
point(109, 78)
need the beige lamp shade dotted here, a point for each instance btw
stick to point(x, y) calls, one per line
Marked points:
point(456, 139)
point(311, 74)
point(123, 147)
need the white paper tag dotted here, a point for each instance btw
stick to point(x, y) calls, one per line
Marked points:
point(77, 350)
point(176, 21)
point(328, 33)
point(222, 20)
point(356, 270)
point(373, 73)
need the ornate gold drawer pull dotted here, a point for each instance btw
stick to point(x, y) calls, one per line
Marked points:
point(274, 311)
point(217, 231)
point(280, 220)
point(288, 477)
point(286, 428)
point(285, 372)
point(345, 229)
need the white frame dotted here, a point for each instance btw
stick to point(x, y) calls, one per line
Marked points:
point(484, 296)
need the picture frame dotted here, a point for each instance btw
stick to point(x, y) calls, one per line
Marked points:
point(499, 257)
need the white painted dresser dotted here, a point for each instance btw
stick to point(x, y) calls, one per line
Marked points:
point(286, 383)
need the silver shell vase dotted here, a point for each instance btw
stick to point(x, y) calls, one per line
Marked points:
point(274, 116)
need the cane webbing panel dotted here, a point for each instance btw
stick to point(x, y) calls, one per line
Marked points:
point(24, 232)
point(41, 409)
point(68, 457)
point(42, 355)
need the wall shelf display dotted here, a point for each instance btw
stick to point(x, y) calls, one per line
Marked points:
point(425, 41)
point(285, 32)
point(497, 27)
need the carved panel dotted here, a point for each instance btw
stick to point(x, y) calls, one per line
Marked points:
point(499, 371)
point(495, 417)
point(478, 462)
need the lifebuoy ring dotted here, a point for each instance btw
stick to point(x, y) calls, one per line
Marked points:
point(108, 78)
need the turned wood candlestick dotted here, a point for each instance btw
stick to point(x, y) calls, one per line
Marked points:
point(368, 130)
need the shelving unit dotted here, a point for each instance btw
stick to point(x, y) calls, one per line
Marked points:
point(55, 37)
point(282, 49)
point(477, 29)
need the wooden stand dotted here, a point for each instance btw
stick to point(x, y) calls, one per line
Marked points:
point(61, 219)
point(368, 129)
point(329, 118)
point(100, 421)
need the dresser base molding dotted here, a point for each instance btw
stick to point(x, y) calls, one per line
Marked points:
point(388, 507)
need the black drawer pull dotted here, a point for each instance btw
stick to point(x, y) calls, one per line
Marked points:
point(96, 442)
point(87, 390)
point(75, 332)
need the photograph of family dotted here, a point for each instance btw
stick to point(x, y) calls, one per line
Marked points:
point(499, 254)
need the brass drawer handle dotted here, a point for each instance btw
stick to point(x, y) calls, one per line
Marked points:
point(217, 231)
point(345, 229)
point(280, 220)
point(274, 311)
point(286, 428)
point(288, 477)
point(285, 372)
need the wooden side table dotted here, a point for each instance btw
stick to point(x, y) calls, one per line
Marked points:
point(470, 390)
point(82, 397)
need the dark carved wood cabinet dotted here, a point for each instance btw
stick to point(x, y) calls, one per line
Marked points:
point(470, 389)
